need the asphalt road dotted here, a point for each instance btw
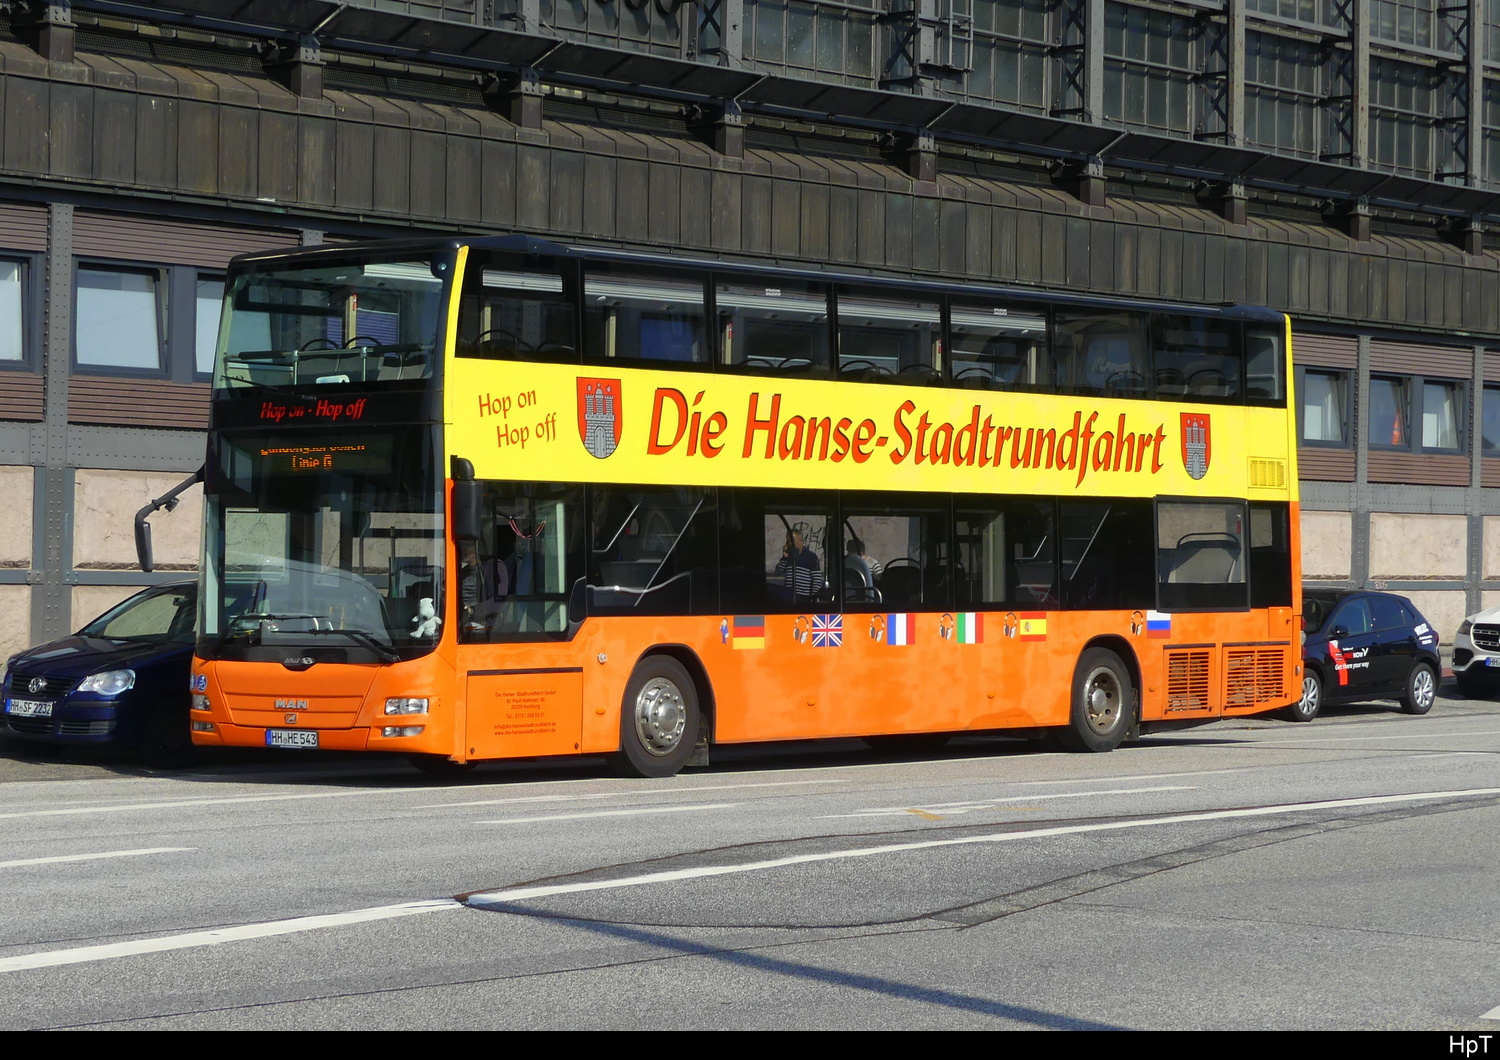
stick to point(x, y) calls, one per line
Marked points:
point(1248, 874)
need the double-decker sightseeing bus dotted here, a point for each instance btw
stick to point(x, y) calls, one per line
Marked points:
point(491, 498)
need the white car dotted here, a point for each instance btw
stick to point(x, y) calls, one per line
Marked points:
point(1476, 655)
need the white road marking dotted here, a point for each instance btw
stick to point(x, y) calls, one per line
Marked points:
point(110, 951)
point(176, 804)
point(516, 894)
point(954, 808)
point(685, 790)
point(1492, 1014)
point(96, 857)
point(638, 811)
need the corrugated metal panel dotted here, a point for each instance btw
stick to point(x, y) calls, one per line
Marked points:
point(1492, 366)
point(1454, 362)
point(20, 396)
point(1325, 465)
point(1489, 472)
point(23, 226)
point(138, 402)
point(1419, 468)
point(128, 237)
point(1327, 351)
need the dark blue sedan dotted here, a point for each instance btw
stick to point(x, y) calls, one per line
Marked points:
point(120, 680)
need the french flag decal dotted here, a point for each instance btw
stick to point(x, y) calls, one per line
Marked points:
point(900, 629)
point(1158, 625)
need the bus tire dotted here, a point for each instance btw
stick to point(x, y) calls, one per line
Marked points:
point(659, 719)
point(1103, 703)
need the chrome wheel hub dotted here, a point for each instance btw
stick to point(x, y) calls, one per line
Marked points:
point(1102, 698)
point(660, 716)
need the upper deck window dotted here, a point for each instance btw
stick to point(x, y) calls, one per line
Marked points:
point(519, 308)
point(634, 314)
point(340, 322)
point(775, 326)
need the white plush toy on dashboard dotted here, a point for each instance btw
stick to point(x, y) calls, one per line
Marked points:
point(426, 619)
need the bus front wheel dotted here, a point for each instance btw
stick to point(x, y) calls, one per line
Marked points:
point(659, 719)
point(1103, 702)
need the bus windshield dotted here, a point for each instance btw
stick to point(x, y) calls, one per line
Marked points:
point(323, 541)
point(334, 322)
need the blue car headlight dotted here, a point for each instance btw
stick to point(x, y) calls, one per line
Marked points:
point(109, 683)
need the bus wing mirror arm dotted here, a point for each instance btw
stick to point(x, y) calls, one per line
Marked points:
point(168, 501)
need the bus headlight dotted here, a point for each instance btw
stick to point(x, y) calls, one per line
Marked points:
point(406, 706)
point(402, 730)
point(109, 683)
point(200, 702)
point(203, 726)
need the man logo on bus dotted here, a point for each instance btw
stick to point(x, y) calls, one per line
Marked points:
point(599, 415)
point(1197, 448)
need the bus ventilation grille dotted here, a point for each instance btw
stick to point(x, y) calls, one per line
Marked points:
point(1187, 680)
point(1267, 474)
point(1254, 675)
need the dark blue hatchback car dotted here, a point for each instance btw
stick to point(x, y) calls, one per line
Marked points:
point(1359, 645)
point(120, 680)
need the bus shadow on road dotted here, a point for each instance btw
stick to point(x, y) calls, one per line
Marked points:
point(890, 988)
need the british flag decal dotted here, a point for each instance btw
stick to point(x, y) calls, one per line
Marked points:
point(827, 631)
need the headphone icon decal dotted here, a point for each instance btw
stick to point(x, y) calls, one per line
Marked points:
point(877, 628)
point(1010, 624)
point(801, 628)
point(945, 627)
point(1137, 623)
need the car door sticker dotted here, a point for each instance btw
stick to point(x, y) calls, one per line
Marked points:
point(1346, 660)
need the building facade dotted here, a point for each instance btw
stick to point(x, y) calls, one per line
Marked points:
point(1334, 159)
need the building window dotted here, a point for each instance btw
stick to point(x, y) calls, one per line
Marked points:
point(1284, 93)
point(207, 307)
point(1416, 414)
point(1403, 21)
point(1150, 67)
point(1388, 420)
point(1011, 43)
point(12, 311)
point(1405, 115)
point(1489, 430)
point(118, 322)
point(1440, 415)
point(1324, 407)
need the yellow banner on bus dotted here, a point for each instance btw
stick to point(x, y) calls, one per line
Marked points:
point(604, 423)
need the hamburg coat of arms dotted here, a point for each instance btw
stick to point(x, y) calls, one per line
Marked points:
point(599, 415)
point(1197, 445)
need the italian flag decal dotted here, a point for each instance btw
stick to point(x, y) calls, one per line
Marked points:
point(968, 628)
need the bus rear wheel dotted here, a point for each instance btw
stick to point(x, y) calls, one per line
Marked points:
point(659, 719)
point(1103, 703)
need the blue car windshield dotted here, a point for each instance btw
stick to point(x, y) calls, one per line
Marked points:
point(154, 615)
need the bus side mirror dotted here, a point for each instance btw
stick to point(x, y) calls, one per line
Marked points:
point(143, 543)
point(468, 501)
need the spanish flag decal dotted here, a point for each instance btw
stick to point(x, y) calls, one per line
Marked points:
point(1031, 625)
